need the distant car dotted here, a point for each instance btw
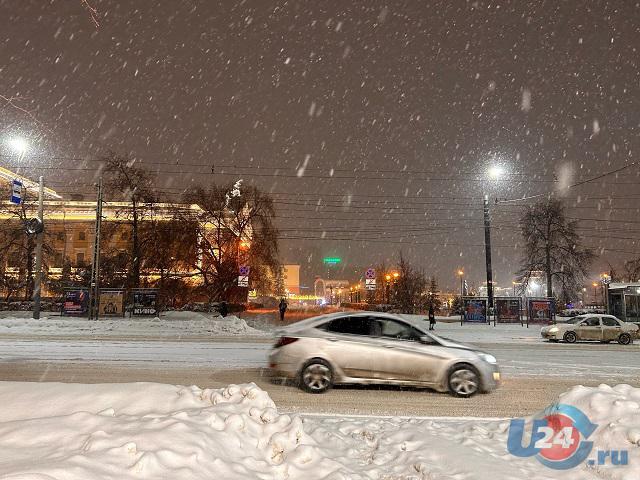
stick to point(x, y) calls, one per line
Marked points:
point(594, 327)
point(378, 348)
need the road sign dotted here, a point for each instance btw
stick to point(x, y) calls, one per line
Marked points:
point(244, 270)
point(370, 283)
point(331, 260)
point(16, 192)
point(370, 274)
point(243, 280)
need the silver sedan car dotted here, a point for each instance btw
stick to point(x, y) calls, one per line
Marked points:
point(378, 348)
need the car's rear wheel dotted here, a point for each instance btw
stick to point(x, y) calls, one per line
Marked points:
point(316, 376)
point(570, 337)
point(464, 381)
point(625, 339)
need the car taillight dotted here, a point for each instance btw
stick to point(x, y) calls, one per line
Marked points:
point(282, 341)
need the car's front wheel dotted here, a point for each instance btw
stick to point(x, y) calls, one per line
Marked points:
point(464, 381)
point(316, 376)
point(570, 337)
point(625, 339)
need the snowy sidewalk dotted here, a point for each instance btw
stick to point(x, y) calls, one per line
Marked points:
point(169, 324)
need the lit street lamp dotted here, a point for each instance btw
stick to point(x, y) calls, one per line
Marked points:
point(461, 275)
point(495, 172)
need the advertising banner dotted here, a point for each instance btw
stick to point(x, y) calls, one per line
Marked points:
point(76, 301)
point(145, 302)
point(111, 303)
point(475, 310)
point(508, 310)
point(541, 310)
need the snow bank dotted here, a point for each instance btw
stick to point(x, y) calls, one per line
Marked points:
point(153, 431)
point(134, 431)
point(171, 324)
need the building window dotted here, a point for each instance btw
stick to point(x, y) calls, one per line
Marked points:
point(60, 236)
point(80, 259)
point(82, 235)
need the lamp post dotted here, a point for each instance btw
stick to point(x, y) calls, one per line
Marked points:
point(387, 277)
point(21, 146)
point(495, 172)
point(461, 275)
point(584, 290)
point(595, 293)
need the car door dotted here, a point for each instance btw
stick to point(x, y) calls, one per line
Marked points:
point(611, 328)
point(350, 346)
point(590, 329)
point(403, 356)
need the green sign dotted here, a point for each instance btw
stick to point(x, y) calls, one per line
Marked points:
point(332, 260)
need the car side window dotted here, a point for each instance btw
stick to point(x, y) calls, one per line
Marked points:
point(591, 322)
point(610, 322)
point(349, 326)
point(398, 330)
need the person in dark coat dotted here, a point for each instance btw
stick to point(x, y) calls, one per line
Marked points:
point(282, 308)
point(432, 317)
point(224, 309)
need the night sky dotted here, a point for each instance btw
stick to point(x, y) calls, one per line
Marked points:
point(373, 123)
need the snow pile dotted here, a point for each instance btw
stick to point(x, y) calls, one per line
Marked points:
point(170, 324)
point(151, 431)
point(616, 411)
point(145, 430)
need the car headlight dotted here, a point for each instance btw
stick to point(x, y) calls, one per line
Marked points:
point(488, 358)
point(554, 330)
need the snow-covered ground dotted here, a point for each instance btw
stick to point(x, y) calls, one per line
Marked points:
point(169, 324)
point(156, 431)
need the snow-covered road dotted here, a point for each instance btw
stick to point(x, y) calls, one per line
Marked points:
point(534, 359)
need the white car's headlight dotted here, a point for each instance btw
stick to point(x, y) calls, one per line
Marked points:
point(488, 358)
point(554, 330)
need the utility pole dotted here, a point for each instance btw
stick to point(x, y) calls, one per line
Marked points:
point(94, 294)
point(487, 247)
point(37, 288)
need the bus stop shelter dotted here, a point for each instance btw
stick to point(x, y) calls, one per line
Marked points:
point(624, 301)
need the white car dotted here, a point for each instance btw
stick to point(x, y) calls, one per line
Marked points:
point(594, 327)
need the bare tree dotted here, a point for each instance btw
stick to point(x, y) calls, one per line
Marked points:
point(409, 287)
point(18, 248)
point(234, 227)
point(553, 246)
point(632, 270)
point(127, 182)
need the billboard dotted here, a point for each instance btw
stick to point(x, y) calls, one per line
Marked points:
point(475, 310)
point(541, 310)
point(145, 301)
point(76, 301)
point(111, 303)
point(508, 310)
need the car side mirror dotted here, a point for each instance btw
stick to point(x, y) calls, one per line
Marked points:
point(426, 339)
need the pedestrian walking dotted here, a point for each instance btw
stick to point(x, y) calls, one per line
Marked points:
point(282, 308)
point(432, 318)
point(224, 309)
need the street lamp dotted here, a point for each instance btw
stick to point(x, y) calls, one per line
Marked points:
point(584, 290)
point(494, 172)
point(461, 275)
point(595, 293)
point(19, 145)
point(387, 277)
